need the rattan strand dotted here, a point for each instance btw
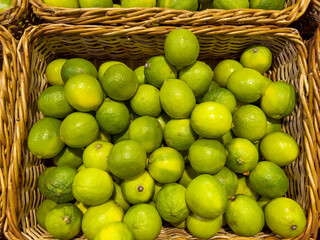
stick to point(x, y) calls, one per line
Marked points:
point(8, 93)
point(154, 16)
point(41, 44)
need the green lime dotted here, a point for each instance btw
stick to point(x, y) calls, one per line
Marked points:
point(226, 138)
point(245, 188)
point(139, 72)
point(119, 82)
point(53, 71)
point(269, 180)
point(127, 159)
point(92, 186)
point(263, 202)
point(61, 3)
point(206, 196)
point(224, 69)
point(198, 76)
point(273, 125)
point(118, 197)
point(76, 66)
point(96, 3)
point(188, 174)
point(171, 203)
point(97, 216)
point(157, 70)
point(166, 165)
point(96, 155)
point(285, 217)
point(139, 189)
point(207, 156)
point(203, 228)
point(121, 136)
point(79, 129)
point(177, 98)
point(138, 3)
point(191, 5)
point(249, 122)
point(71, 157)
point(64, 221)
point(115, 231)
point(42, 178)
point(53, 103)
point(280, 148)
point(163, 119)
point(146, 101)
point(230, 4)
point(44, 139)
point(144, 221)
point(104, 66)
point(181, 47)
point(211, 119)
point(157, 188)
point(83, 92)
point(229, 180)
point(42, 211)
point(243, 156)
point(244, 216)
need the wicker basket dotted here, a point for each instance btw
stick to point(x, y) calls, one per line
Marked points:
point(155, 16)
point(41, 44)
point(8, 93)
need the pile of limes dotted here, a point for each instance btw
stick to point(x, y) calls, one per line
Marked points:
point(191, 5)
point(165, 143)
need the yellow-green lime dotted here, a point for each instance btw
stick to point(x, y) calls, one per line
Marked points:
point(191, 5)
point(79, 129)
point(278, 100)
point(97, 216)
point(267, 4)
point(223, 96)
point(198, 76)
point(213, 85)
point(61, 3)
point(285, 217)
point(246, 84)
point(44, 138)
point(42, 211)
point(53, 71)
point(179, 135)
point(96, 4)
point(273, 125)
point(106, 137)
point(104, 66)
point(139, 72)
point(127, 159)
point(138, 3)
point(211, 119)
point(157, 188)
point(188, 174)
point(92, 186)
point(83, 92)
point(269, 180)
point(96, 155)
point(257, 57)
point(119, 82)
point(230, 4)
point(83, 208)
point(115, 231)
point(263, 201)
point(245, 188)
point(118, 197)
point(244, 216)
point(243, 156)
point(139, 189)
point(224, 69)
point(42, 178)
point(249, 122)
point(71, 157)
point(76, 66)
point(226, 138)
point(157, 70)
point(206, 196)
point(177, 98)
point(203, 228)
point(229, 180)
point(166, 165)
point(120, 136)
point(64, 221)
point(181, 225)
point(146, 101)
point(113, 116)
point(181, 47)
point(163, 119)
point(207, 156)
point(82, 167)
point(280, 148)
point(144, 221)
point(5, 4)
point(147, 131)
point(171, 203)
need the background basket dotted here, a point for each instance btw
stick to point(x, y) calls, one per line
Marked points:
point(154, 16)
point(8, 93)
point(41, 44)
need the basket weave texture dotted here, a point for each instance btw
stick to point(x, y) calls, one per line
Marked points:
point(8, 93)
point(154, 16)
point(43, 43)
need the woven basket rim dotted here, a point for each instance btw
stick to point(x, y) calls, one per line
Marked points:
point(34, 32)
point(166, 16)
point(16, 11)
